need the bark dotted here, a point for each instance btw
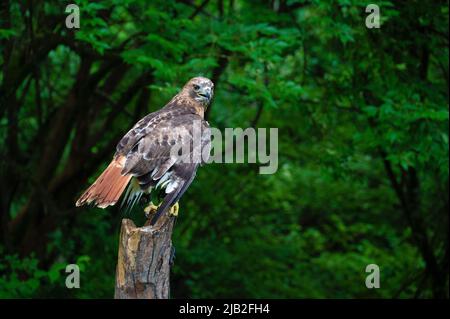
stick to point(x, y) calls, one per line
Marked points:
point(199, 9)
point(408, 195)
point(144, 260)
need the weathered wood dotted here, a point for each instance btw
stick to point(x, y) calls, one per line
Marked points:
point(143, 265)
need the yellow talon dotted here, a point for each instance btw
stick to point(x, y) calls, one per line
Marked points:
point(150, 209)
point(174, 209)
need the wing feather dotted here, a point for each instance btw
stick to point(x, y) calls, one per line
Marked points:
point(151, 158)
point(184, 174)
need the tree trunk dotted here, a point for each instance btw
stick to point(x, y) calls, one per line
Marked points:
point(144, 260)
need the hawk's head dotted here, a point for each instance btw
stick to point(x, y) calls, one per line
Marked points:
point(200, 89)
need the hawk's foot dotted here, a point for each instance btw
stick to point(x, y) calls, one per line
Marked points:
point(174, 209)
point(150, 209)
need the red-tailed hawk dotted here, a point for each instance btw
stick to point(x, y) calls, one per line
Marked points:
point(160, 151)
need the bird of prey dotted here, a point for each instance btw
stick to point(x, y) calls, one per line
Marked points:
point(161, 151)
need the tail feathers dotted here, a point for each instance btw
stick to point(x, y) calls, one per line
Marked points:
point(108, 187)
point(132, 195)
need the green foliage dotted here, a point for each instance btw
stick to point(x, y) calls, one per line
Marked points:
point(23, 277)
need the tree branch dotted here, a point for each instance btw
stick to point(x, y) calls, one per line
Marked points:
point(144, 260)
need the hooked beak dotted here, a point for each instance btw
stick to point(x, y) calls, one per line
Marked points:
point(205, 92)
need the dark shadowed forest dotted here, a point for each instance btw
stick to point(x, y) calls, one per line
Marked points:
point(362, 116)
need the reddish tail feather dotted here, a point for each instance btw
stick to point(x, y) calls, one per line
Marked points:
point(108, 187)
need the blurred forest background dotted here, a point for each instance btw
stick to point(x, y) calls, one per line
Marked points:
point(363, 118)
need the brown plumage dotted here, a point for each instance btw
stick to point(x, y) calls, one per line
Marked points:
point(145, 152)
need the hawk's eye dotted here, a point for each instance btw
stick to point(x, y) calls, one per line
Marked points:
point(196, 87)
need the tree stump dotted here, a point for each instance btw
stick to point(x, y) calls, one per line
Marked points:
point(143, 265)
